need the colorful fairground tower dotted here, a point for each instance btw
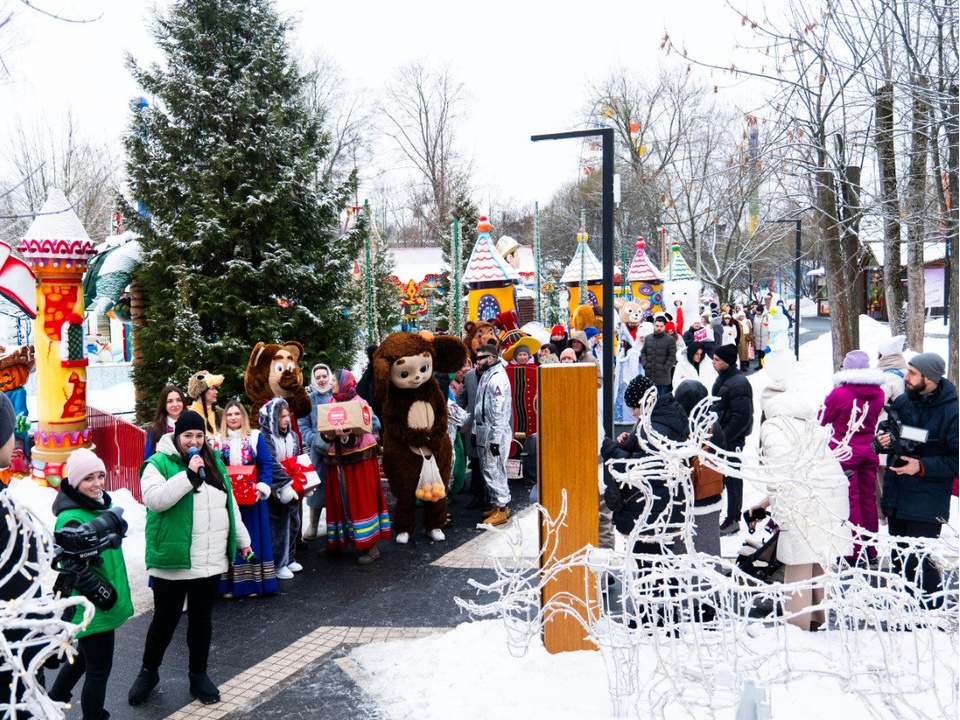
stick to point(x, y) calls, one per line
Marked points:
point(491, 281)
point(646, 282)
point(57, 249)
point(583, 276)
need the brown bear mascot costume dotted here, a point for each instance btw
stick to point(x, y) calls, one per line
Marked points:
point(415, 421)
point(274, 371)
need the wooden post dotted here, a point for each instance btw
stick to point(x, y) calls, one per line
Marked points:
point(567, 448)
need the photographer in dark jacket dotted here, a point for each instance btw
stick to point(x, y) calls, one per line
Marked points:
point(627, 503)
point(917, 488)
point(734, 409)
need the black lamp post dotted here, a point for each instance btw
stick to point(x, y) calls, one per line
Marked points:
point(796, 287)
point(607, 260)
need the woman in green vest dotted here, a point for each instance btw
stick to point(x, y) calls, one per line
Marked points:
point(81, 499)
point(193, 530)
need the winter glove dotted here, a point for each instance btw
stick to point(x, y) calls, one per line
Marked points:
point(495, 450)
point(263, 491)
point(286, 494)
point(95, 589)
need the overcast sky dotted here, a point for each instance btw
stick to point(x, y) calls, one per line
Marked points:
point(525, 65)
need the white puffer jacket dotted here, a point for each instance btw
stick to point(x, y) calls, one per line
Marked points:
point(809, 501)
point(211, 524)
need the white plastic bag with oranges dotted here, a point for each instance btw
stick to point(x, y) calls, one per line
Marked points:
point(430, 488)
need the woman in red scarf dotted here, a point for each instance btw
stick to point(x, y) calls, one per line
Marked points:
point(356, 507)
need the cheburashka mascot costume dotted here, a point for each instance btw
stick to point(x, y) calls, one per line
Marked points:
point(415, 421)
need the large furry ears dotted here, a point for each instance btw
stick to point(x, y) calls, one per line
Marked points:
point(295, 349)
point(450, 353)
point(255, 354)
point(381, 376)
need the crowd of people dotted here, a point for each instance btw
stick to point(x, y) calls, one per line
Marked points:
point(226, 516)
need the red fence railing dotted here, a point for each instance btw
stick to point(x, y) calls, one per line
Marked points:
point(120, 445)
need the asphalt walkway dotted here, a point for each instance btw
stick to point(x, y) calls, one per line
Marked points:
point(275, 657)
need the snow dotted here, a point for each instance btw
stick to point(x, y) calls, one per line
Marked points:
point(57, 220)
point(470, 671)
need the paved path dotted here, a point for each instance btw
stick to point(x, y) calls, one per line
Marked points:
point(276, 657)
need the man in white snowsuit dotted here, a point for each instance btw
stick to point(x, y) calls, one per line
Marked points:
point(493, 421)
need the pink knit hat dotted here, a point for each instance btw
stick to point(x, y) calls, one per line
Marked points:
point(856, 360)
point(82, 462)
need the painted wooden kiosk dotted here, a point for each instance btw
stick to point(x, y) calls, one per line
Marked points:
point(646, 282)
point(583, 271)
point(491, 280)
point(567, 460)
point(57, 249)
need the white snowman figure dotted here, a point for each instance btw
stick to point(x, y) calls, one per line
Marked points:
point(680, 299)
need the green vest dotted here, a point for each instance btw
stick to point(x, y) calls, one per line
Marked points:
point(170, 533)
point(113, 570)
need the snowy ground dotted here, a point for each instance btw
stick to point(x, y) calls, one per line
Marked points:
point(471, 674)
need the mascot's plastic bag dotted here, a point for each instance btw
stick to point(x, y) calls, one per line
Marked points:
point(430, 487)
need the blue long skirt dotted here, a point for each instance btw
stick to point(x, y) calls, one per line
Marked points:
point(244, 579)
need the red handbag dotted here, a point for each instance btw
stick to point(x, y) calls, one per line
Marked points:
point(243, 480)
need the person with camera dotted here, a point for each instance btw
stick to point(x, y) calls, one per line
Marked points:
point(920, 472)
point(81, 500)
point(193, 530)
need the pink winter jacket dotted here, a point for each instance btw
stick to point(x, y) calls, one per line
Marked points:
point(863, 387)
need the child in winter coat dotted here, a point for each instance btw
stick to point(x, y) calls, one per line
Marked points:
point(856, 387)
point(81, 499)
point(283, 505)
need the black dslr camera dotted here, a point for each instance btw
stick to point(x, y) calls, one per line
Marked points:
point(905, 440)
point(78, 548)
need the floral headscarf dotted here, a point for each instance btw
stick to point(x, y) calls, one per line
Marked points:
point(346, 386)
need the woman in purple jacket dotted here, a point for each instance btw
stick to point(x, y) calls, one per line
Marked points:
point(858, 384)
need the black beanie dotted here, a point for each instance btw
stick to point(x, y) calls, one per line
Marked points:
point(728, 353)
point(188, 420)
point(8, 419)
point(633, 395)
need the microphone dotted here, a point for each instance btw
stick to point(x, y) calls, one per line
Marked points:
point(193, 452)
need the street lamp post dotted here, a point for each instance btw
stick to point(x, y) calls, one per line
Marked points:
point(796, 285)
point(606, 135)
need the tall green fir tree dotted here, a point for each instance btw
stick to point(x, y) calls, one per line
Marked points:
point(240, 238)
point(466, 212)
point(379, 308)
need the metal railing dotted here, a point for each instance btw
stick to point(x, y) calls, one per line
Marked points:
point(120, 444)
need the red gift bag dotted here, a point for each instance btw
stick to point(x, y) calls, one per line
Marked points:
point(243, 480)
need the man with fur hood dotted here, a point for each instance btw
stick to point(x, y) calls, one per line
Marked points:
point(857, 389)
point(276, 425)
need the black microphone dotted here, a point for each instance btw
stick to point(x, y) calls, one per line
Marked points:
point(193, 452)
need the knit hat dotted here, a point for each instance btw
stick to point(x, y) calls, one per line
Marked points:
point(893, 346)
point(670, 326)
point(557, 330)
point(633, 395)
point(201, 382)
point(8, 419)
point(727, 353)
point(188, 420)
point(591, 332)
point(930, 365)
point(82, 462)
point(856, 360)
point(569, 353)
point(488, 349)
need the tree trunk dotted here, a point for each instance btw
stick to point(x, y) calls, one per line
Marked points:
point(951, 225)
point(844, 306)
point(916, 206)
point(890, 208)
point(138, 318)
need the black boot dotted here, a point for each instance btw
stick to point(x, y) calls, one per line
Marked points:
point(146, 681)
point(203, 689)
